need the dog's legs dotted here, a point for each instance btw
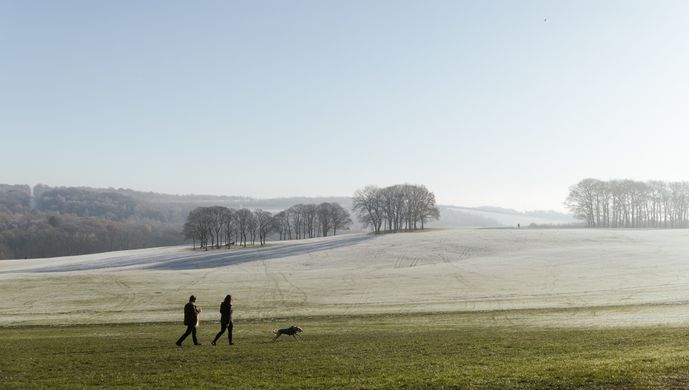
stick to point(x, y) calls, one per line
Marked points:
point(276, 336)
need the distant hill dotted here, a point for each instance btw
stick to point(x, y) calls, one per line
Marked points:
point(122, 203)
point(490, 216)
point(61, 221)
point(49, 221)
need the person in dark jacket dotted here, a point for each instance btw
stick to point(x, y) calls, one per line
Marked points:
point(191, 320)
point(225, 319)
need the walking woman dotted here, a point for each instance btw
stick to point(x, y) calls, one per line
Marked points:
point(225, 319)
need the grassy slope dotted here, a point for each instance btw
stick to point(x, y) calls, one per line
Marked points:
point(436, 351)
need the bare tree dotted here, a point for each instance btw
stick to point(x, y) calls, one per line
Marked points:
point(310, 215)
point(197, 227)
point(229, 225)
point(340, 218)
point(216, 224)
point(252, 227)
point(265, 223)
point(428, 211)
point(324, 212)
point(368, 204)
point(243, 220)
point(581, 200)
point(282, 224)
point(296, 215)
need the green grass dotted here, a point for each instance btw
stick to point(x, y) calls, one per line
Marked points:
point(414, 351)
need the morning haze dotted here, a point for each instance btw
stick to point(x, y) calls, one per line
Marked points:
point(362, 194)
point(497, 103)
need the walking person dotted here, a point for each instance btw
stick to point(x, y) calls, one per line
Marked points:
point(225, 319)
point(191, 320)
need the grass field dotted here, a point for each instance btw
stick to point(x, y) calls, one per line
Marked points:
point(447, 350)
point(515, 309)
point(646, 271)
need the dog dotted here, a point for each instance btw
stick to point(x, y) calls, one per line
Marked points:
point(291, 331)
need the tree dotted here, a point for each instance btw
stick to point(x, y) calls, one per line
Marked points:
point(581, 200)
point(216, 222)
point(368, 204)
point(244, 217)
point(265, 224)
point(282, 224)
point(252, 227)
point(324, 212)
point(228, 219)
point(340, 218)
point(427, 209)
point(198, 227)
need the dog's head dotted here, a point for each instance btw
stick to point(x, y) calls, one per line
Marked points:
point(298, 329)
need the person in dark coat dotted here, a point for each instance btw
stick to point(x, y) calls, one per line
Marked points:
point(191, 320)
point(225, 319)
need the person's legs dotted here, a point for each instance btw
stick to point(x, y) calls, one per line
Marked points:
point(193, 335)
point(222, 330)
point(229, 332)
point(189, 330)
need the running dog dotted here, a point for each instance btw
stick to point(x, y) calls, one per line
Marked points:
point(291, 331)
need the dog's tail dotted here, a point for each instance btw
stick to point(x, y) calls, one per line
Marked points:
point(275, 331)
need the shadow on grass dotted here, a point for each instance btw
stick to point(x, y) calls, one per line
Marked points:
point(206, 260)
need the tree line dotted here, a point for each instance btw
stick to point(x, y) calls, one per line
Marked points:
point(629, 203)
point(311, 220)
point(402, 207)
point(63, 222)
point(33, 235)
point(218, 226)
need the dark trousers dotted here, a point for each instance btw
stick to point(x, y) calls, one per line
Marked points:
point(227, 326)
point(191, 329)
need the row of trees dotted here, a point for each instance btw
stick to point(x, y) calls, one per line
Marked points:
point(221, 226)
point(310, 220)
point(631, 204)
point(395, 208)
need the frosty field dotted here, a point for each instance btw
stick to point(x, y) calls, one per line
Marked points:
point(573, 278)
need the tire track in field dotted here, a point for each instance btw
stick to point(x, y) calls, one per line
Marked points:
point(125, 291)
point(272, 293)
point(300, 291)
point(404, 261)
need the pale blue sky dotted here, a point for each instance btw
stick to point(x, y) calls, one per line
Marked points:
point(484, 102)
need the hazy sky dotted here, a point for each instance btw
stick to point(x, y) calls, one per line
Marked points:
point(486, 103)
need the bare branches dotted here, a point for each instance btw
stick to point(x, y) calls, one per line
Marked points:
point(400, 207)
point(631, 204)
point(213, 225)
point(265, 224)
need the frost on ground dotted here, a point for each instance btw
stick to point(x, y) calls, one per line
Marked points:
point(572, 277)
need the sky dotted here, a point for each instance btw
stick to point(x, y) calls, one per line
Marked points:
point(503, 103)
